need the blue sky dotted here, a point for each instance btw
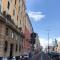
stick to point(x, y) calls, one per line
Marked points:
point(45, 15)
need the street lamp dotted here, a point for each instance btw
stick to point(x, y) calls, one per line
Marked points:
point(48, 41)
point(48, 38)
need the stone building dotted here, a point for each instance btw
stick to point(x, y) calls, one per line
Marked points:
point(10, 38)
point(15, 28)
point(15, 8)
point(12, 21)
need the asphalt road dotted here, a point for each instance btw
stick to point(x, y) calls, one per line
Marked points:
point(40, 56)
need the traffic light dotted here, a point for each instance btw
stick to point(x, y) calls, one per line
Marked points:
point(33, 36)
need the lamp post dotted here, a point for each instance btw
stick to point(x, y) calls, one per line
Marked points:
point(48, 41)
point(48, 38)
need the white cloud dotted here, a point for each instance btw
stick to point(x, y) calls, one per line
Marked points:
point(37, 16)
point(44, 42)
point(58, 39)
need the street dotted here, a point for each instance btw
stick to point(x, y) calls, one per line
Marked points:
point(40, 56)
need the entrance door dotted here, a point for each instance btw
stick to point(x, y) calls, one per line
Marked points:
point(11, 50)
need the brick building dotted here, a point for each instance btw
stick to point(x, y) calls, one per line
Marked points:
point(27, 33)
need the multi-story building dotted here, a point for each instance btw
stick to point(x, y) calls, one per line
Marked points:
point(12, 16)
point(10, 38)
point(58, 47)
point(27, 32)
point(37, 44)
point(15, 8)
point(15, 23)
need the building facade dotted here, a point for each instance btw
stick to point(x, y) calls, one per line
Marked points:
point(27, 32)
point(10, 37)
point(37, 44)
point(58, 47)
point(15, 8)
point(15, 28)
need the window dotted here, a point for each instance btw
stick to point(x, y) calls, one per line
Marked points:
point(13, 12)
point(8, 4)
point(0, 1)
point(12, 34)
point(11, 0)
point(19, 8)
point(19, 0)
point(20, 21)
point(6, 46)
point(0, 8)
point(16, 36)
point(16, 47)
point(7, 31)
point(19, 47)
point(15, 2)
point(17, 17)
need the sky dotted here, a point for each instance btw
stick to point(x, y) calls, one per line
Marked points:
point(45, 18)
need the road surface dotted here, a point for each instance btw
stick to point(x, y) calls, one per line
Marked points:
point(40, 56)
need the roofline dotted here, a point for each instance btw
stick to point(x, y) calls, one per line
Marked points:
point(29, 22)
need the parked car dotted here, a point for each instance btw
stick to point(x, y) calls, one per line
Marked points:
point(24, 56)
point(53, 55)
point(4, 59)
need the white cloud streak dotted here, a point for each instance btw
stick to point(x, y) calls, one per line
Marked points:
point(36, 16)
point(44, 42)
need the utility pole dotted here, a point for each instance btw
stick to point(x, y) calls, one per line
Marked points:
point(48, 38)
point(48, 41)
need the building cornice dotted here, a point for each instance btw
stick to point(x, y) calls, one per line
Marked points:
point(9, 23)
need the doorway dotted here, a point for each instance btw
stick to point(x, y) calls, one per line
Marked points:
point(11, 50)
